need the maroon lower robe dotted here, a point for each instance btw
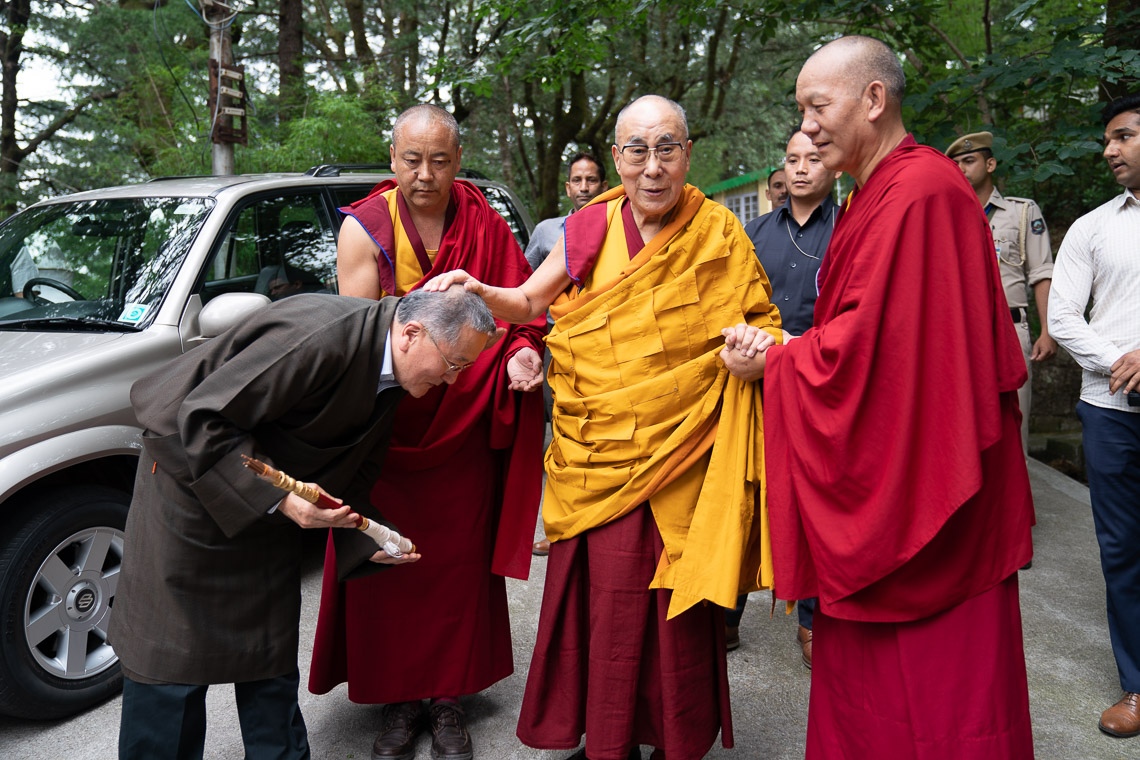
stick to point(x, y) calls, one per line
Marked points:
point(927, 678)
point(619, 696)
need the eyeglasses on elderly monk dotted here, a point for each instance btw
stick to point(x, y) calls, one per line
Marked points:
point(638, 154)
point(451, 366)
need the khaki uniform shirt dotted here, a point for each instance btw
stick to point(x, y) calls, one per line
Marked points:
point(1020, 270)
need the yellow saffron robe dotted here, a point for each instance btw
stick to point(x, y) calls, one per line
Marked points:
point(644, 409)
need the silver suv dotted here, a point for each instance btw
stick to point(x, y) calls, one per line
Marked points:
point(96, 290)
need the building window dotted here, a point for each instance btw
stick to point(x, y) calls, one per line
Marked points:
point(746, 206)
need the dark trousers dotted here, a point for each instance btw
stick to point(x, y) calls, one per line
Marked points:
point(168, 721)
point(1112, 463)
point(804, 610)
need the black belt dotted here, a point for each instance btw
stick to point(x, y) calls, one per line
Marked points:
point(1018, 315)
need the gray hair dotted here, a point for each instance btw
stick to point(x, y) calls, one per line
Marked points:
point(445, 313)
point(430, 113)
point(672, 105)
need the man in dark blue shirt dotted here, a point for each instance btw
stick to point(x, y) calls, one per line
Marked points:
point(790, 243)
point(791, 240)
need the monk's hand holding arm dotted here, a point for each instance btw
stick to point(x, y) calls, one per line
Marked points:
point(745, 351)
point(1125, 373)
point(309, 515)
point(525, 370)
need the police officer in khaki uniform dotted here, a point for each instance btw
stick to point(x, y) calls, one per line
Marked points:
point(1024, 256)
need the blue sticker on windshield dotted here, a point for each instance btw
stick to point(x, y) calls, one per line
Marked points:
point(133, 313)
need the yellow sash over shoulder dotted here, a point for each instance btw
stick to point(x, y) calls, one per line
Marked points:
point(644, 410)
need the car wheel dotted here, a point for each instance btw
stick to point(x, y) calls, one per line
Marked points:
point(59, 569)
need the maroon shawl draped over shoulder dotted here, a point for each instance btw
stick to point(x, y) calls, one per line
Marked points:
point(462, 478)
point(896, 483)
point(478, 241)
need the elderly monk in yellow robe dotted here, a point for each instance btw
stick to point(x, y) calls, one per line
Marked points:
point(654, 492)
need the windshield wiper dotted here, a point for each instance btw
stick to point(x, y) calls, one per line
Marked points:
point(85, 324)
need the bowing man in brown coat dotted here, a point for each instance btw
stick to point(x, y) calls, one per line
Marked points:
point(210, 587)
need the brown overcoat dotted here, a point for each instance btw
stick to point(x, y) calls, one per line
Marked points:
point(210, 585)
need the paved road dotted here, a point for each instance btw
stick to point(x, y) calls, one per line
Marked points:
point(1071, 672)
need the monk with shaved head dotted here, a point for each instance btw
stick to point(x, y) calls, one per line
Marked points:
point(898, 492)
point(463, 473)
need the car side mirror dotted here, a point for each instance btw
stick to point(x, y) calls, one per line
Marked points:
point(229, 309)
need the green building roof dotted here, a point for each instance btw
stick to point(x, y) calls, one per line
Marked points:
point(731, 184)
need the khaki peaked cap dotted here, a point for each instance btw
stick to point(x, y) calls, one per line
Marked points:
point(971, 143)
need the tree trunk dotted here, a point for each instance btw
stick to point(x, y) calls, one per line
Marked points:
point(290, 60)
point(364, 54)
point(11, 49)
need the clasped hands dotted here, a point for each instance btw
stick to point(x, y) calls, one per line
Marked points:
point(745, 351)
point(309, 515)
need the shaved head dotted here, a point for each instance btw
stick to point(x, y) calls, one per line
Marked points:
point(426, 115)
point(653, 183)
point(655, 101)
point(850, 94)
point(863, 60)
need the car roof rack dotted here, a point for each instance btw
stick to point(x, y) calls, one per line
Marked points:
point(178, 176)
point(334, 170)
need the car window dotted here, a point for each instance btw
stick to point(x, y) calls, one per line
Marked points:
point(496, 197)
point(501, 202)
point(350, 194)
point(277, 246)
point(95, 261)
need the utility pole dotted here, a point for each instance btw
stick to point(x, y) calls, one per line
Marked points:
point(227, 100)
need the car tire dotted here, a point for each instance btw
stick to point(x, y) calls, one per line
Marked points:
point(59, 570)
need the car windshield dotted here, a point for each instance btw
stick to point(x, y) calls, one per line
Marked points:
point(93, 264)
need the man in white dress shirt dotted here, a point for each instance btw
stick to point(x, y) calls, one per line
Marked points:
point(1100, 258)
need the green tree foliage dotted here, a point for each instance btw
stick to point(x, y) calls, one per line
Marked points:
point(532, 83)
point(1035, 73)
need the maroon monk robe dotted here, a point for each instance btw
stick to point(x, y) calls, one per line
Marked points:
point(462, 479)
point(897, 487)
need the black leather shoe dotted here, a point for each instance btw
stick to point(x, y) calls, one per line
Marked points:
point(403, 722)
point(449, 737)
